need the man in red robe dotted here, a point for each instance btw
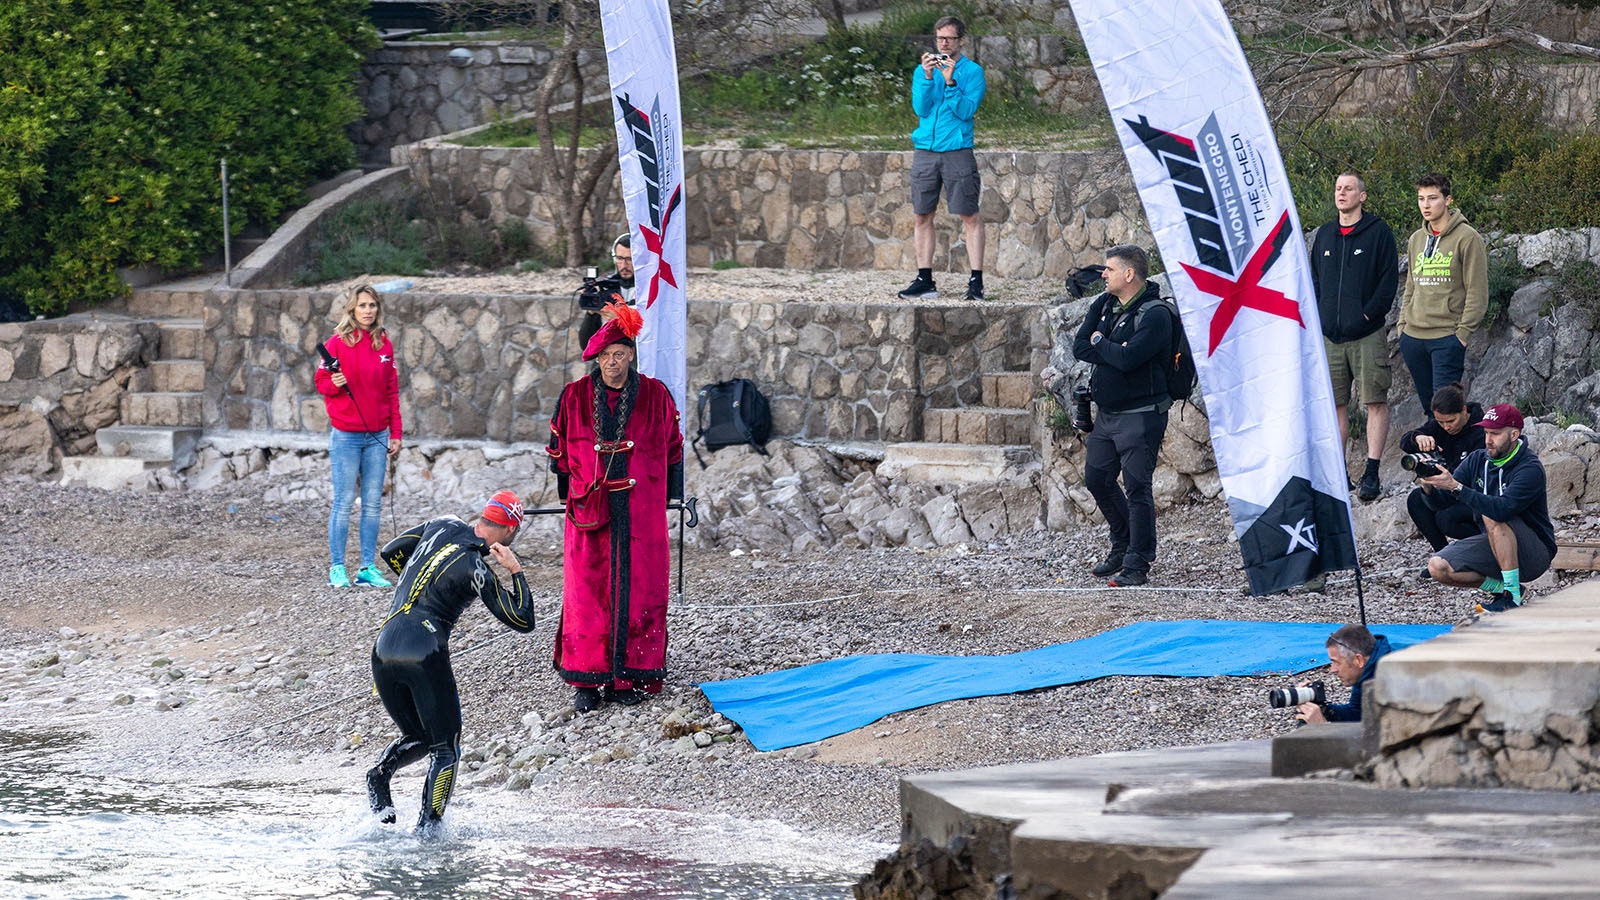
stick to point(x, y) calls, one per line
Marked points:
point(617, 452)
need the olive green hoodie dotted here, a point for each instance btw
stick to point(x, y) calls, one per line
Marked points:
point(1447, 290)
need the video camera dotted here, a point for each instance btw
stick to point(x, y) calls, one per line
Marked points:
point(597, 292)
point(1422, 465)
point(1294, 696)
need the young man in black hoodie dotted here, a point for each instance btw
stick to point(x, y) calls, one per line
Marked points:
point(1126, 337)
point(1355, 272)
point(1504, 485)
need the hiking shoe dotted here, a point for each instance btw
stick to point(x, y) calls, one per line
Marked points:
point(1500, 603)
point(1128, 578)
point(920, 289)
point(586, 699)
point(371, 577)
point(974, 288)
point(338, 577)
point(1425, 575)
point(1369, 488)
point(378, 794)
point(1111, 565)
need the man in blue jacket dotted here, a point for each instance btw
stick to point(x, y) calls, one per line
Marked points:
point(946, 89)
point(1353, 654)
point(1355, 271)
point(1504, 485)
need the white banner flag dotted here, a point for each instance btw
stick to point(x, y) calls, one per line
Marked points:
point(1213, 185)
point(644, 87)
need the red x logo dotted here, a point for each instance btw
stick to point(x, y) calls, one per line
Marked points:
point(1247, 292)
point(652, 244)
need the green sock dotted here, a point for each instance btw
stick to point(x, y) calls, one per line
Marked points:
point(1513, 582)
point(1492, 585)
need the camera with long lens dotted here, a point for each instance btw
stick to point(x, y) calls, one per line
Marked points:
point(1082, 416)
point(1294, 696)
point(596, 291)
point(1422, 464)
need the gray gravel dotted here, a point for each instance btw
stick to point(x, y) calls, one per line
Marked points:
point(193, 631)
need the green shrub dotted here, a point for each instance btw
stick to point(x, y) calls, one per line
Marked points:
point(1559, 187)
point(369, 237)
point(114, 114)
point(1505, 276)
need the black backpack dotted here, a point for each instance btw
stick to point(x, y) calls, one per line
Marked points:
point(1180, 374)
point(732, 412)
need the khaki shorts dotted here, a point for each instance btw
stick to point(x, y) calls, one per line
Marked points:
point(1363, 363)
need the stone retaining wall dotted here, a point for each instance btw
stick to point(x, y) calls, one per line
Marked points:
point(413, 89)
point(492, 367)
point(821, 209)
point(61, 379)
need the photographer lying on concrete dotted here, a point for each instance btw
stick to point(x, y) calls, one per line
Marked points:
point(1504, 485)
point(1353, 654)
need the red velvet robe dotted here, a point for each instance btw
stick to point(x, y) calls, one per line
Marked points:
point(613, 630)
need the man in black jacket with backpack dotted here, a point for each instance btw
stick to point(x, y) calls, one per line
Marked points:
point(1127, 337)
point(1355, 271)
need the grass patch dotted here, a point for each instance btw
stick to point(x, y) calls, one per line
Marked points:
point(725, 264)
point(375, 236)
point(597, 129)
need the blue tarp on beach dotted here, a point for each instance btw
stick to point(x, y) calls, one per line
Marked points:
point(808, 703)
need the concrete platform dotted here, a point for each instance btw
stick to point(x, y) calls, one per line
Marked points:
point(951, 463)
point(1208, 822)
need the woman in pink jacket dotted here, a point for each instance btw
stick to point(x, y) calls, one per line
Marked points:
point(361, 387)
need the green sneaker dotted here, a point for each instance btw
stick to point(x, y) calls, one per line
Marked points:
point(337, 577)
point(371, 577)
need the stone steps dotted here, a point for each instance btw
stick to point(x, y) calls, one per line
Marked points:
point(159, 304)
point(1008, 390)
point(182, 338)
point(977, 425)
point(177, 376)
point(951, 463)
point(170, 408)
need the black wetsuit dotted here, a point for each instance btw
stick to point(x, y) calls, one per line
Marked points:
point(443, 567)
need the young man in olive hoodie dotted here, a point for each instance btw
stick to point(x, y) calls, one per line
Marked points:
point(1354, 271)
point(1447, 290)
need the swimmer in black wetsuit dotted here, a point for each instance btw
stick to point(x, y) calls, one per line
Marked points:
point(442, 570)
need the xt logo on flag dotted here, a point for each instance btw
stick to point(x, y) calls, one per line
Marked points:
point(1301, 534)
point(1221, 185)
point(652, 145)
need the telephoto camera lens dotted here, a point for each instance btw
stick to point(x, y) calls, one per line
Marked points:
point(1283, 698)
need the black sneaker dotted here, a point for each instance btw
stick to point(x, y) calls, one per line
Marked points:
point(1426, 575)
point(920, 289)
point(974, 288)
point(1499, 603)
point(1128, 578)
point(378, 795)
point(629, 697)
point(586, 699)
point(1369, 488)
point(1111, 565)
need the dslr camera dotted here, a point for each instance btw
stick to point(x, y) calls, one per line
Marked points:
point(1082, 415)
point(1422, 464)
point(1290, 697)
point(596, 291)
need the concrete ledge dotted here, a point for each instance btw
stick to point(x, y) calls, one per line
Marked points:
point(149, 443)
point(1207, 822)
point(950, 463)
point(1317, 748)
point(106, 473)
point(277, 262)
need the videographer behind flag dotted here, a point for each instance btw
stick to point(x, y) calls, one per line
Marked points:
point(1126, 337)
point(614, 287)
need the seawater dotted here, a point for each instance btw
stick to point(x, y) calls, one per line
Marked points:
point(69, 833)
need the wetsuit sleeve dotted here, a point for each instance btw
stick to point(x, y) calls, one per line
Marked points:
point(397, 551)
point(513, 605)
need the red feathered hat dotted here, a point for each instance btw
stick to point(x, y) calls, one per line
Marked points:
point(623, 324)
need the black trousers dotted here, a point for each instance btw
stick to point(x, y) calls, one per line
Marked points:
point(1440, 526)
point(1126, 444)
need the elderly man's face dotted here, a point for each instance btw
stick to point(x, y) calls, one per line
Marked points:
point(614, 362)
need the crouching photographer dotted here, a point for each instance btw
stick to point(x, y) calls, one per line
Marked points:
point(598, 291)
point(1353, 654)
point(1439, 445)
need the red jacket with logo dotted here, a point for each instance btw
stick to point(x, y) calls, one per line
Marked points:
point(374, 384)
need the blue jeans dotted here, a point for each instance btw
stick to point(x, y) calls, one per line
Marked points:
point(364, 456)
point(1433, 363)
